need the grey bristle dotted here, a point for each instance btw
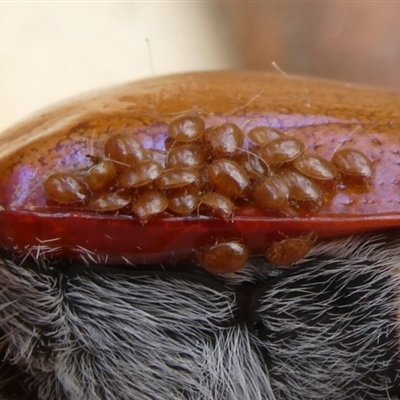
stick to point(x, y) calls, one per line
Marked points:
point(100, 335)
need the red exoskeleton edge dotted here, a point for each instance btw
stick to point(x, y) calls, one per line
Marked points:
point(163, 169)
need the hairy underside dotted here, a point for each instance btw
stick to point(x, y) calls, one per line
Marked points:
point(325, 329)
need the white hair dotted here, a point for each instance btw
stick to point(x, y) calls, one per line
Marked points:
point(324, 329)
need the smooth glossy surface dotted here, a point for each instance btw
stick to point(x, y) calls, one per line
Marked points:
point(65, 188)
point(223, 140)
point(288, 251)
point(149, 204)
point(131, 124)
point(183, 200)
point(107, 202)
point(228, 177)
point(300, 187)
point(223, 258)
point(175, 178)
point(124, 150)
point(186, 128)
point(100, 176)
point(217, 205)
point(261, 135)
point(282, 150)
point(353, 162)
point(186, 156)
point(140, 175)
point(315, 167)
point(271, 193)
point(254, 166)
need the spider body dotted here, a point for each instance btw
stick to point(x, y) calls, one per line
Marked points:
point(215, 235)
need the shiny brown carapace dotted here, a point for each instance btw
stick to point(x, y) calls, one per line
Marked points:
point(199, 166)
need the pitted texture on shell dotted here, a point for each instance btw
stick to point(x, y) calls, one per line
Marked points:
point(275, 176)
point(297, 151)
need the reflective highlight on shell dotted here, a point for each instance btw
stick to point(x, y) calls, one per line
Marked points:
point(289, 182)
point(199, 177)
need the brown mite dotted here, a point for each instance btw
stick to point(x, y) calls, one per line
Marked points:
point(140, 175)
point(261, 135)
point(50, 188)
point(223, 257)
point(353, 162)
point(228, 177)
point(216, 205)
point(100, 176)
point(175, 178)
point(65, 188)
point(282, 150)
point(183, 200)
point(109, 201)
point(189, 155)
point(186, 128)
point(288, 251)
point(223, 140)
point(149, 204)
point(315, 167)
point(124, 150)
point(271, 193)
point(300, 187)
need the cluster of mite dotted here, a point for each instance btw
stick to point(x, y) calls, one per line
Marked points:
point(210, 172)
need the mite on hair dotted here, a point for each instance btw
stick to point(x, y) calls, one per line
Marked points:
point(213, 235)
